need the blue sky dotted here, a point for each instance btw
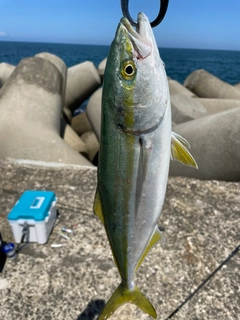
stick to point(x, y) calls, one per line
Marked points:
point(207, 24)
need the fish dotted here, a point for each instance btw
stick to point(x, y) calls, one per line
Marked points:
point(136, 145)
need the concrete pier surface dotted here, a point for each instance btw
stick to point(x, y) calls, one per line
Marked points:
point(201, 221)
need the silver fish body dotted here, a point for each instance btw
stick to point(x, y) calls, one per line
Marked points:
point(134, 156)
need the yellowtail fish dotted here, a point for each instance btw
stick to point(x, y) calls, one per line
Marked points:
point(135, 150)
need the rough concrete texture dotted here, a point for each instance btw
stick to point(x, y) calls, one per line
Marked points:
point(39, 72)
point(60, 65)
point(237, 85)
point(206, 85)
point(218, 105)
point(214, 145)
point(74, 141)
point(201, 221)
point(80, 123)
point(34, 91)
point(101, 67)
point(94, 108)
point(6, 70)
point(177, 88)
point(185, 108)
point(92, 144)
point(67, 115)
point(82, 80)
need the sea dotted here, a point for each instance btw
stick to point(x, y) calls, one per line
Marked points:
point(179, 63)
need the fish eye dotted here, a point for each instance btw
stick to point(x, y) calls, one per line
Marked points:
point(128, 69)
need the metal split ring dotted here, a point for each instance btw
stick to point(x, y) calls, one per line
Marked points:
point(154, 23)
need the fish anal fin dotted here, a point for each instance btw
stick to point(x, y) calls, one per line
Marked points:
point(123, 295)
point(179, 151)
point(156, 237)
point(97, 207)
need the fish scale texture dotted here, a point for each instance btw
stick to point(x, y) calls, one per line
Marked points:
point(201, 221)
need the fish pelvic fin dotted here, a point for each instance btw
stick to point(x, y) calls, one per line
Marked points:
point(179, 151)
point(97, 207)
point(123, 295)
point(156, 237)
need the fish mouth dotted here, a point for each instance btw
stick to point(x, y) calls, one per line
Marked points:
point(139, 37)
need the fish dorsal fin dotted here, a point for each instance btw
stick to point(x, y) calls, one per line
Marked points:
point(97, 207)
point(179, 151)
point(156, 237)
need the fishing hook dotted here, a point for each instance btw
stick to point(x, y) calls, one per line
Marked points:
point(161, 14)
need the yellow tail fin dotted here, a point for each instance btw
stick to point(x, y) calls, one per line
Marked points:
point(121, 296)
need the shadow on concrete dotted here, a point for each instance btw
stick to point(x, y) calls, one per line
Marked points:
point(92, 310)
point(3, 257)
point(2, 260)
point(95, 160)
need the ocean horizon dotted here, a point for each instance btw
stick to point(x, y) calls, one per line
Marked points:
point(179, 62)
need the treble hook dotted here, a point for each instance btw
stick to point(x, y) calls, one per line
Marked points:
point(161, 14)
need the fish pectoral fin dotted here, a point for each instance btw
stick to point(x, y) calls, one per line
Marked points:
point(179, 151)
point(156, 237)
point(123, 295)
point(181, 139)
point(97, 207)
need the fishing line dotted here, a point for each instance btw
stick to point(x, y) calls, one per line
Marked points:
point(204, 282)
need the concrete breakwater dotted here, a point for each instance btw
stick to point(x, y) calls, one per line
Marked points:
point(39, 96)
